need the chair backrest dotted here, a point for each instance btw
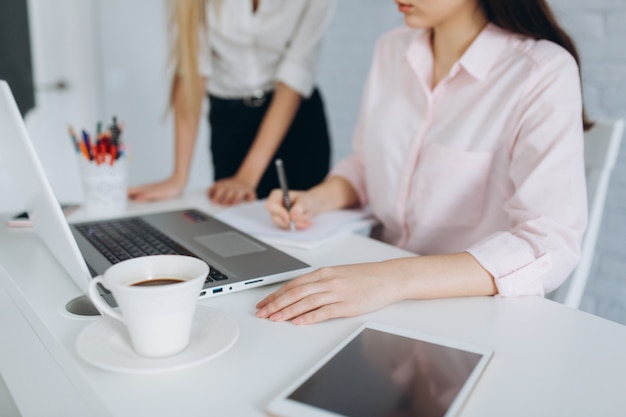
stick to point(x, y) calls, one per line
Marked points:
point(602, 144)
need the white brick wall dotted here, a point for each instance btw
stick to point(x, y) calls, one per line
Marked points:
point(599, 29)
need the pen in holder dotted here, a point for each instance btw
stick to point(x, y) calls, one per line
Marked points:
point(103, 166)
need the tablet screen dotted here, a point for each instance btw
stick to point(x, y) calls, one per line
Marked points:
point(378, 374)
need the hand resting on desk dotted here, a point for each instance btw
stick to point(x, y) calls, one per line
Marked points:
point(350, 290)
point(163, 190)
point(231, 191)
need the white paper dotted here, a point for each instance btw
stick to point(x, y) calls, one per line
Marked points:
point(253, 218)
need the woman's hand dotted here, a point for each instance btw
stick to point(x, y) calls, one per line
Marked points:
point(303, 208)
point(230, 191)
point(330, 292)
point(350, 290)
point(163, 190)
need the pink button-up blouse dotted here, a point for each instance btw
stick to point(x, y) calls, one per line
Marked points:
point(490, 161)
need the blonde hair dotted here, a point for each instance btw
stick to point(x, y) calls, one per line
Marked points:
point(187, 22)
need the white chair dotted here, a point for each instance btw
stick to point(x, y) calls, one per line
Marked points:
point(602, 144)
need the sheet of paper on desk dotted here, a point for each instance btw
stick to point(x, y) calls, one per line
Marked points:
point(253, 218)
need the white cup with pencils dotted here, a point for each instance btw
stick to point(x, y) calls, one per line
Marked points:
point(103, 166)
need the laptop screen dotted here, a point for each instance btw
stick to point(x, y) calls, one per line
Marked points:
point(33, 190)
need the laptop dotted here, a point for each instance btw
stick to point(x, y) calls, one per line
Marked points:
point(238, 261)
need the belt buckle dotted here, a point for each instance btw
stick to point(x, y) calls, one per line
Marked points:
point(257, 99)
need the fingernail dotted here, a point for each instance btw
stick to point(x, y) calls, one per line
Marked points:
point(276, 316)
point(262, 312)
point(298, 320)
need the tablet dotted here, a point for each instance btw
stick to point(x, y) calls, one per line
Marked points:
point(382, 371)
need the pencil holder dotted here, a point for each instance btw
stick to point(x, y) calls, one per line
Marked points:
point(104, 186)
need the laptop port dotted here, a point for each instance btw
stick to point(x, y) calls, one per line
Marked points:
point(216, 290)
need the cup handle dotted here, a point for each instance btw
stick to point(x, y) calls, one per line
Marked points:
point(96, 299)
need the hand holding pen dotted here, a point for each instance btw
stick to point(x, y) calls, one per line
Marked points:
point(303, 209)
point(282, 180)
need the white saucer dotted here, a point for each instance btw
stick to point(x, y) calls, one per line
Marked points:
point(106, 344)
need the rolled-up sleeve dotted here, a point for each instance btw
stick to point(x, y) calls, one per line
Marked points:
point(298, 66)
point(548, 210)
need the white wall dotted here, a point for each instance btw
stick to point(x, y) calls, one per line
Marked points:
point(62, 47)
point(135, 86)
point(599, 30)
point(346, 58)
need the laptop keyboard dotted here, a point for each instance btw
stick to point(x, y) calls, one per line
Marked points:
point(118, 240)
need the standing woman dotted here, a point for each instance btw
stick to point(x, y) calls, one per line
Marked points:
point(257, 58)
point(469, 150)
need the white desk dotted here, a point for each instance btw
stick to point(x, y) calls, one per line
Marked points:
point(549, 360)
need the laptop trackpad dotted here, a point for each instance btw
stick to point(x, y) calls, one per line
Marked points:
point(229, 244)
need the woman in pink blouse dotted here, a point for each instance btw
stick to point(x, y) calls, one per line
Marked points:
point(469, 150)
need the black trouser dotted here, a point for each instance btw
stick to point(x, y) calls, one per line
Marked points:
point(305, 149)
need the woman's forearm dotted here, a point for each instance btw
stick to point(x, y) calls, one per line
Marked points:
point(275, 124)
point(185, 130)
point(333, 194)
point(440, 276)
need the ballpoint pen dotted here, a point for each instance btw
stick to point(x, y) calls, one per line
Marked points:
point(87, 143)
point(74, 139)
point(282, 179)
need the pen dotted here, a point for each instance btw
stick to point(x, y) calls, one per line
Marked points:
point(83, 150)
point(282, 179)
point(116, 131)
point(73, 137)
point(87, 145)
point(114, 153)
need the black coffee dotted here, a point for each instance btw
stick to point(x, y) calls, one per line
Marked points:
point(157, 281)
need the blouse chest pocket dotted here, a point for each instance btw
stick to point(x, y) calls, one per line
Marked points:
point(450, 186)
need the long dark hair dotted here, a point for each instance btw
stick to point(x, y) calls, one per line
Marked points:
point(535, 19)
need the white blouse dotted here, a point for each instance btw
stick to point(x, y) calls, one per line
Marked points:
point(250, 51)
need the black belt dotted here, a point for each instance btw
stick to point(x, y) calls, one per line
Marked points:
point(257, 99)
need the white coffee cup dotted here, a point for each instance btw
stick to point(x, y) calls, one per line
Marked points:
point(158, 315)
